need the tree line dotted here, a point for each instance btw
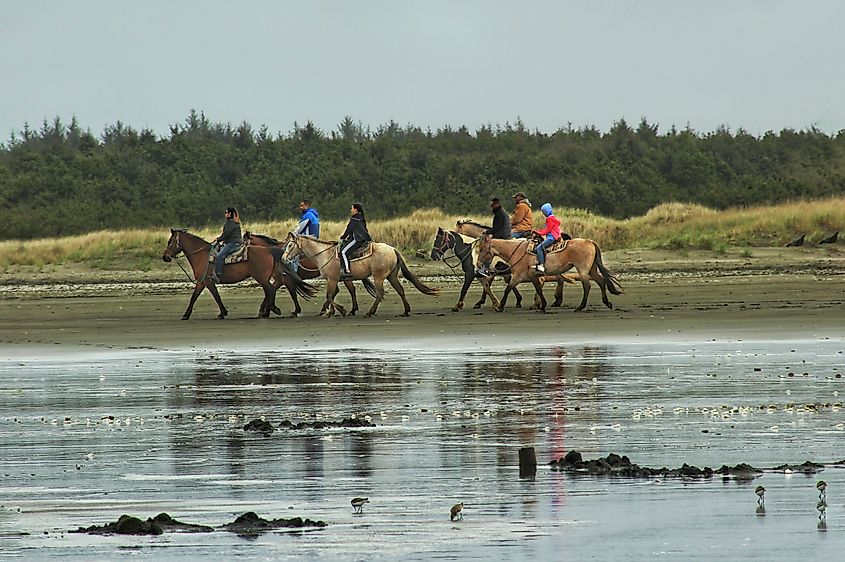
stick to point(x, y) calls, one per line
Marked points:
point(61, 179)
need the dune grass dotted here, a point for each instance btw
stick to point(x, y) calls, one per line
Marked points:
point(675, 226)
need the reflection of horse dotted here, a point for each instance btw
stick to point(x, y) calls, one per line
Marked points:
point(262, 265)
point(384, 262)
point(307, 270)
point(582, 254)
point(476, 230)
point(466, 250)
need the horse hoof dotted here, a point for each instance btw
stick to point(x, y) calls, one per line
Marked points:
point(406, 314)
point(276, 311)
point(351, 313)
point(221, 317)
point(476, 306)
point(556, 304)
point(609, 305)
point(185, 318)
point(498, 308)
point(294, 315)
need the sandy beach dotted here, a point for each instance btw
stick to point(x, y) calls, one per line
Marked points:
point(772, 294)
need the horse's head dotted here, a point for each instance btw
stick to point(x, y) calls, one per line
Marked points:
point(442, 242)
point(292, 247)
point(174, 245)
point(486, 253)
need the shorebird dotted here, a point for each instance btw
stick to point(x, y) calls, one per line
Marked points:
point(761, 494)
point(456, 511)
point(821, 486)
point(358, 504)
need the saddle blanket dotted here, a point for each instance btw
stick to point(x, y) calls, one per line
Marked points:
point(359, 254)
point(558, 246)
point(238, 255)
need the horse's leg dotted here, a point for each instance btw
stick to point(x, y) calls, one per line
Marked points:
point(558, 294)
point(197, 290)
point(269, 296)
point(469, 275)
point(538, 286)
point(331, 292)
point(585, 283)
point(596, 276)
point(212, 288)
point(378, 281)
point(292, 290)
point(350, 286)
point(394, 280)
point(504, 300)
point(516, 294)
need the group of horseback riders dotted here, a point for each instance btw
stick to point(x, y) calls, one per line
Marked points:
point(520, 224)
point(355, 237)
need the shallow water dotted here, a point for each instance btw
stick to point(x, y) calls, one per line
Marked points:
point(85, 438)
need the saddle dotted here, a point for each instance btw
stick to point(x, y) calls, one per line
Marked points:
point(238, 255)
point(360, 253)
point(558, 246)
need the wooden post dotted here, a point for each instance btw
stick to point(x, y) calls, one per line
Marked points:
point(527, 462)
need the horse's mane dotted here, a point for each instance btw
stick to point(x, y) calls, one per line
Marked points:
point(466, 239)
point(473, 223)
point(315, 239)
point(269, 239)
point(185, 231)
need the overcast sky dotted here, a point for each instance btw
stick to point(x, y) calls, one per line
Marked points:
point(757, 64)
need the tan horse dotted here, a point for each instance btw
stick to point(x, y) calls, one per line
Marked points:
point(385, 262)
point(582, 254)
point(307, 270)
point(473, 229)
point(262, 265)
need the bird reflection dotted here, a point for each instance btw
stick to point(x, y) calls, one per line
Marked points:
point(761, 510)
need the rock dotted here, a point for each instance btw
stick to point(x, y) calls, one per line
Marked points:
point(572, 457)
point(171, 525)
point(259, 425)
point(796, 242)
point(251, 524)
point(125, 525)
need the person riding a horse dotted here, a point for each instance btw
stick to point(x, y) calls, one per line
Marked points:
point(501, 221)
point(522, 221)
point(231, 240)
point(354, 237)
point(551, 232)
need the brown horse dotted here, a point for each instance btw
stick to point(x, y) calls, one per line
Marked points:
point(582, 254)
point(263, 265)
point(384, 262)
point(473, 229)
point(307, 270)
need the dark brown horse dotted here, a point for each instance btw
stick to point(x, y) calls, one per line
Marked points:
point(307, 270)
point(264, 265)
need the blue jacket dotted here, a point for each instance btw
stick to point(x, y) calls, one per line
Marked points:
point(312, 226)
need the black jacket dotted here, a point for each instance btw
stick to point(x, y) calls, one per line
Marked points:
point(501, 224)
point(231, 233)
point(356, 229)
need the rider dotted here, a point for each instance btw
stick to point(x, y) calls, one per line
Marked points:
point(230, 238)
point(309, 224)
point(501, 221)
point(522, 221)
point(552, 234)
point(355, 236)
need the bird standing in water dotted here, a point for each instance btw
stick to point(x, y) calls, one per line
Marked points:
point(761, 494)
point(358, 504)
point(821, 486)
point(456, 511)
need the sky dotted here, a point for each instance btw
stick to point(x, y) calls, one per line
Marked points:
point(758, 65)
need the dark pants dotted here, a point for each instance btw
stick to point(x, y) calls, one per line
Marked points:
point(226, 250)
point(347, 249)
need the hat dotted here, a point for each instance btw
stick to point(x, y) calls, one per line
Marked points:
point(518, 194)
point(494, 200)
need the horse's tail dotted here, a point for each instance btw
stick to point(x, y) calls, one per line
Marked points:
point(610, 279)
point(301, 287)
point(409, 275)
point(369, 286)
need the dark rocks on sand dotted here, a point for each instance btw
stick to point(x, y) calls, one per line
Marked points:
point(616, 465)
point(344, 423)
point(251, 524)
point(259, 425)
point(170, 525)
point(742, 471)
point(807, 467)
point(125, 525)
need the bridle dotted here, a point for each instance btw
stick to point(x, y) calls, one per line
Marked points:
point(449, 243)
point(296, 243)
point(177, 243)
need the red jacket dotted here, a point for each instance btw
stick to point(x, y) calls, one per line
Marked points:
point(552, 227)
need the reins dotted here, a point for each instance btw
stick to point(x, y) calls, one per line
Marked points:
point(188, 275)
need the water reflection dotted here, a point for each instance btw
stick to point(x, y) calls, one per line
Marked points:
point(163, 432)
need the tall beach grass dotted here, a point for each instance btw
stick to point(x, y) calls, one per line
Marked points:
point(669, 226)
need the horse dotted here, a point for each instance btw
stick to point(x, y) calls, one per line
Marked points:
point(476, 230)
point(307, 270)
point(384, 262)
point(466, 250)
point(262, 265)
point(582, 254)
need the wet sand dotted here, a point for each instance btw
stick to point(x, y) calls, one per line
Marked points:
point(654, 307)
